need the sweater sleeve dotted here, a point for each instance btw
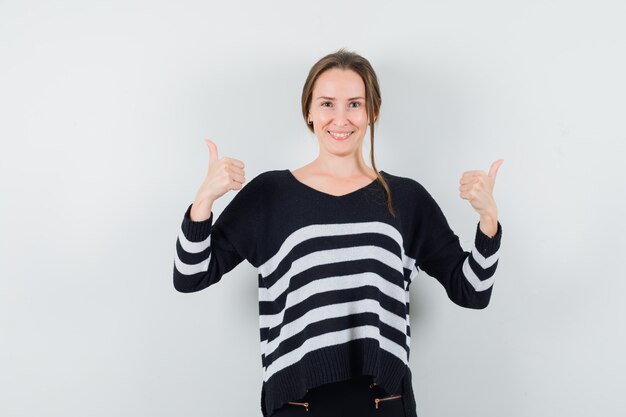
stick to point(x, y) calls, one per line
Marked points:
point(467, 276)
point(208, 249)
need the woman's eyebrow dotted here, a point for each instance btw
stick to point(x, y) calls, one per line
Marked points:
point(332, 98)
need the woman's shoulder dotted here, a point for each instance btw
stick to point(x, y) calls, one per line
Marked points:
point(263, 185)
point(404, 184)
point(265, 178)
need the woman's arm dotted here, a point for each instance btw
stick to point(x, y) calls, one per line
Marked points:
point(467, 276)
point(206, 250)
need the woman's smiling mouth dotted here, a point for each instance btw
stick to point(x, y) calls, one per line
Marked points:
point(340, 135)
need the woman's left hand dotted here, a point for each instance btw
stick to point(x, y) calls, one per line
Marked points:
point(477, 188)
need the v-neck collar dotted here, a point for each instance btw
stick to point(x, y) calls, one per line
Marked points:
point(301, 184)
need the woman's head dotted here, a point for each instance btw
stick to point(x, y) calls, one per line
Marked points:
point(342, 72)
point(337, 113)
point(341, 96)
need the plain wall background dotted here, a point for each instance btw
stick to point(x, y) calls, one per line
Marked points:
point(103, 108)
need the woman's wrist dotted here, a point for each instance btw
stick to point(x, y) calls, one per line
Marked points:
point(489, 225)
point(201, 210)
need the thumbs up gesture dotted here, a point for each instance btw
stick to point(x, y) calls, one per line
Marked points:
point(477, 188)
point(223, 174)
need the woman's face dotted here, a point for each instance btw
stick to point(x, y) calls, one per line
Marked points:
point(338, 111)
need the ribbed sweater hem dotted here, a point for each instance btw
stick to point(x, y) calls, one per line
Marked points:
point(333, 364)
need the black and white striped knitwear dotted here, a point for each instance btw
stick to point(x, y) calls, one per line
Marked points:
point(334, 275)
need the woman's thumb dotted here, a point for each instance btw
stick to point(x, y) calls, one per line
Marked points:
point(212, 150)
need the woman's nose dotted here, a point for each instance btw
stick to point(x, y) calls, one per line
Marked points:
point(341, 117)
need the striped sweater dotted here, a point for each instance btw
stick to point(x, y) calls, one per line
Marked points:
point(334, 275)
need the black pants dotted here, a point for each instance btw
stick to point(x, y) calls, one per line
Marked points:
point(356, 397)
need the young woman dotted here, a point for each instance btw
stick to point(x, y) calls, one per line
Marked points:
point(337, 244)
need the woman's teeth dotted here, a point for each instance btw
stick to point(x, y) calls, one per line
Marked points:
point(340, 136)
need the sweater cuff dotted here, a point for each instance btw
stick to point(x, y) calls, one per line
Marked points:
point(196, 231)
point(486, 245)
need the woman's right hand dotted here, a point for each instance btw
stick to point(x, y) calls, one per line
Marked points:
point(224, 174)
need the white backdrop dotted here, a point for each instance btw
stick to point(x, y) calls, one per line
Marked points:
point(103, 108)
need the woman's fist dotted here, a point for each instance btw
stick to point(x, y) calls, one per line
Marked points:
point(224, 174)
point(477, 188)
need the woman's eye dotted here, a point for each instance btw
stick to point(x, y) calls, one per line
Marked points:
point(357, 104)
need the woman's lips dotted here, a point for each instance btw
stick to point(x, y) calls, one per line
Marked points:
point(340, 135)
